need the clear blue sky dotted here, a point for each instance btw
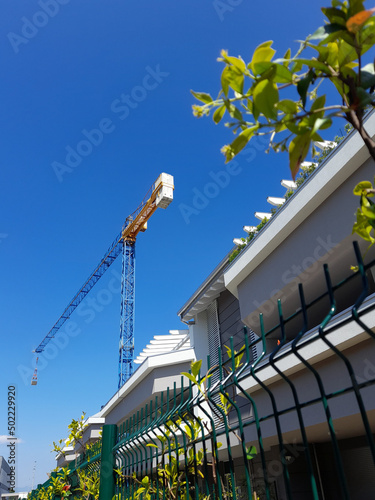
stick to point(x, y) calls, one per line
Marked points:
point(68, 75)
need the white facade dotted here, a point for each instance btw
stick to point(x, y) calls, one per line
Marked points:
point(312, 229)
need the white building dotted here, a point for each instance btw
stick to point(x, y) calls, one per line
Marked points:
point(4, 476)
point(311, 230)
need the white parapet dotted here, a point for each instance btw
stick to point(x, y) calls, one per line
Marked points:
point(276, 202)
point(263, 215)
point(239, 241)
point(308, 164)
point(250, 229)
point(325, 144)
point(288, 184)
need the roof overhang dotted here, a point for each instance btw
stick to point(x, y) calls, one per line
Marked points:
point(209, 290)
point(150, 363)
point(343, 162)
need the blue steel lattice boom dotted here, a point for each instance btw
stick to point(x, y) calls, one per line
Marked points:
point(161, 196)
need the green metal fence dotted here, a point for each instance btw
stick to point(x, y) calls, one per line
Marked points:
point(292, 423)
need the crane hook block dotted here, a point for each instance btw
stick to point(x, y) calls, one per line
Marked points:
point(164, 195)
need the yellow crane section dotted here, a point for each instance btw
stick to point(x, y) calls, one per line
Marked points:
point(161, 196)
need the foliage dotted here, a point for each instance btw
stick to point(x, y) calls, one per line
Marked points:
point(88, 480)
point(365, 223)
point(59, 485)
point(251, 92)
point(176, 477)
point(89, 483)
point(76, 428)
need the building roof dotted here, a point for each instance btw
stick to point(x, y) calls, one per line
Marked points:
point(161, 344)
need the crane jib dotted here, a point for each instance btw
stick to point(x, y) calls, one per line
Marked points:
point(110, 256)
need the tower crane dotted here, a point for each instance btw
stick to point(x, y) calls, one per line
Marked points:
point(159, 195)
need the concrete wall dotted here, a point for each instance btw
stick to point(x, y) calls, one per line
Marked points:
point(199, 338)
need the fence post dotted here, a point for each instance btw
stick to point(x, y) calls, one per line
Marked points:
point(107, 464)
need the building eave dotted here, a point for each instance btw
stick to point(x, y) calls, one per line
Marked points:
point(209, 289)
point(150, 363)
point(343, 162)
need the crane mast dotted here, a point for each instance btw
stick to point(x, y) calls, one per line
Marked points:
point(126, 345)
point(160, 195)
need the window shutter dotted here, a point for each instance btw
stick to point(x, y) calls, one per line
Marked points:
point(213, 334)
point(213, 350)
point(256, 349)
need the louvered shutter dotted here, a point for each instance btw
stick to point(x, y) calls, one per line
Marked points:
point(213, 333)
point(256, 349)
point(213, 350)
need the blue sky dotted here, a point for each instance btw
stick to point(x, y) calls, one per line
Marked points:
point(65, 70)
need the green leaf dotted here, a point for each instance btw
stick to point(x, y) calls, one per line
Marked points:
point(368, 36)
point(234, 112)
point(335, 16)
point(287, 55)
point(152, 444)
point(318, 103)
point(323, 32)
point(237, 62)
point(367, 207)
point(303, 86)
point(280, 73)
point(219, 113)
point(236, 82)
point(251, 453)
point(363, 227)
point(262, 53)
point(355, 6)
point(347, 53)
point(241, 140)
point(314, 64)
point(332, 54)
point(362, 186)
point(201, 96)
point(225, 80)
point(195, 367)
point(265, 97)
point(321, 124)
point(287, 106)
point(190, 377)
point(365, 98)
point(298, 149)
